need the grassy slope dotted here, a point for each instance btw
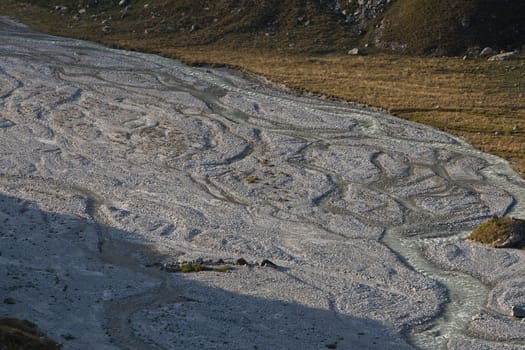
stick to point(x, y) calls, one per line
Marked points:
point(478, 100)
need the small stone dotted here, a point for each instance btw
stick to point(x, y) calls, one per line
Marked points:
point(9, 301)
point(518, 311)
point(354, 52)
point(82, 11)
point(68, 336)
point(478, 317)
point(106, 29)
point(123, 2)
point(267, 263)
point(487, 51)
point(241, 262)
point(503, 56)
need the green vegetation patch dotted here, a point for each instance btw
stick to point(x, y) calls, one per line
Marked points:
point(189, 267)
point(16, 334)
point(252, 179)
point(192, 267)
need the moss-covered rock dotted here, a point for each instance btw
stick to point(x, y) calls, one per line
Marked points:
point(500, 232)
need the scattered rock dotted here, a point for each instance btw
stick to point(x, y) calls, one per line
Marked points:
point(301, 20)
point(518, 311)
point(68, 336)
point(106, 29)
point(355, 51)
point(487, 51)
point(361, 12)
point(82, 11)
point(241, 262)
point(267, 263)
point(123, 3)
point(124, 12)
point(503, 56)
point(466, 22)
point(9, 301)
point(477, 317)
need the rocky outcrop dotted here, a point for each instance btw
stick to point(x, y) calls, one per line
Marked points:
point(362, 12)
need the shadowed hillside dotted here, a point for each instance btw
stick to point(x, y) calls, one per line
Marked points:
point(452, 26)
point(309, 26)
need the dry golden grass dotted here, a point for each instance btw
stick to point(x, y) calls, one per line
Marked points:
point(479, 101)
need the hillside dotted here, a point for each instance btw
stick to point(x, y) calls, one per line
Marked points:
point(445, 27)
point(451, 26)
